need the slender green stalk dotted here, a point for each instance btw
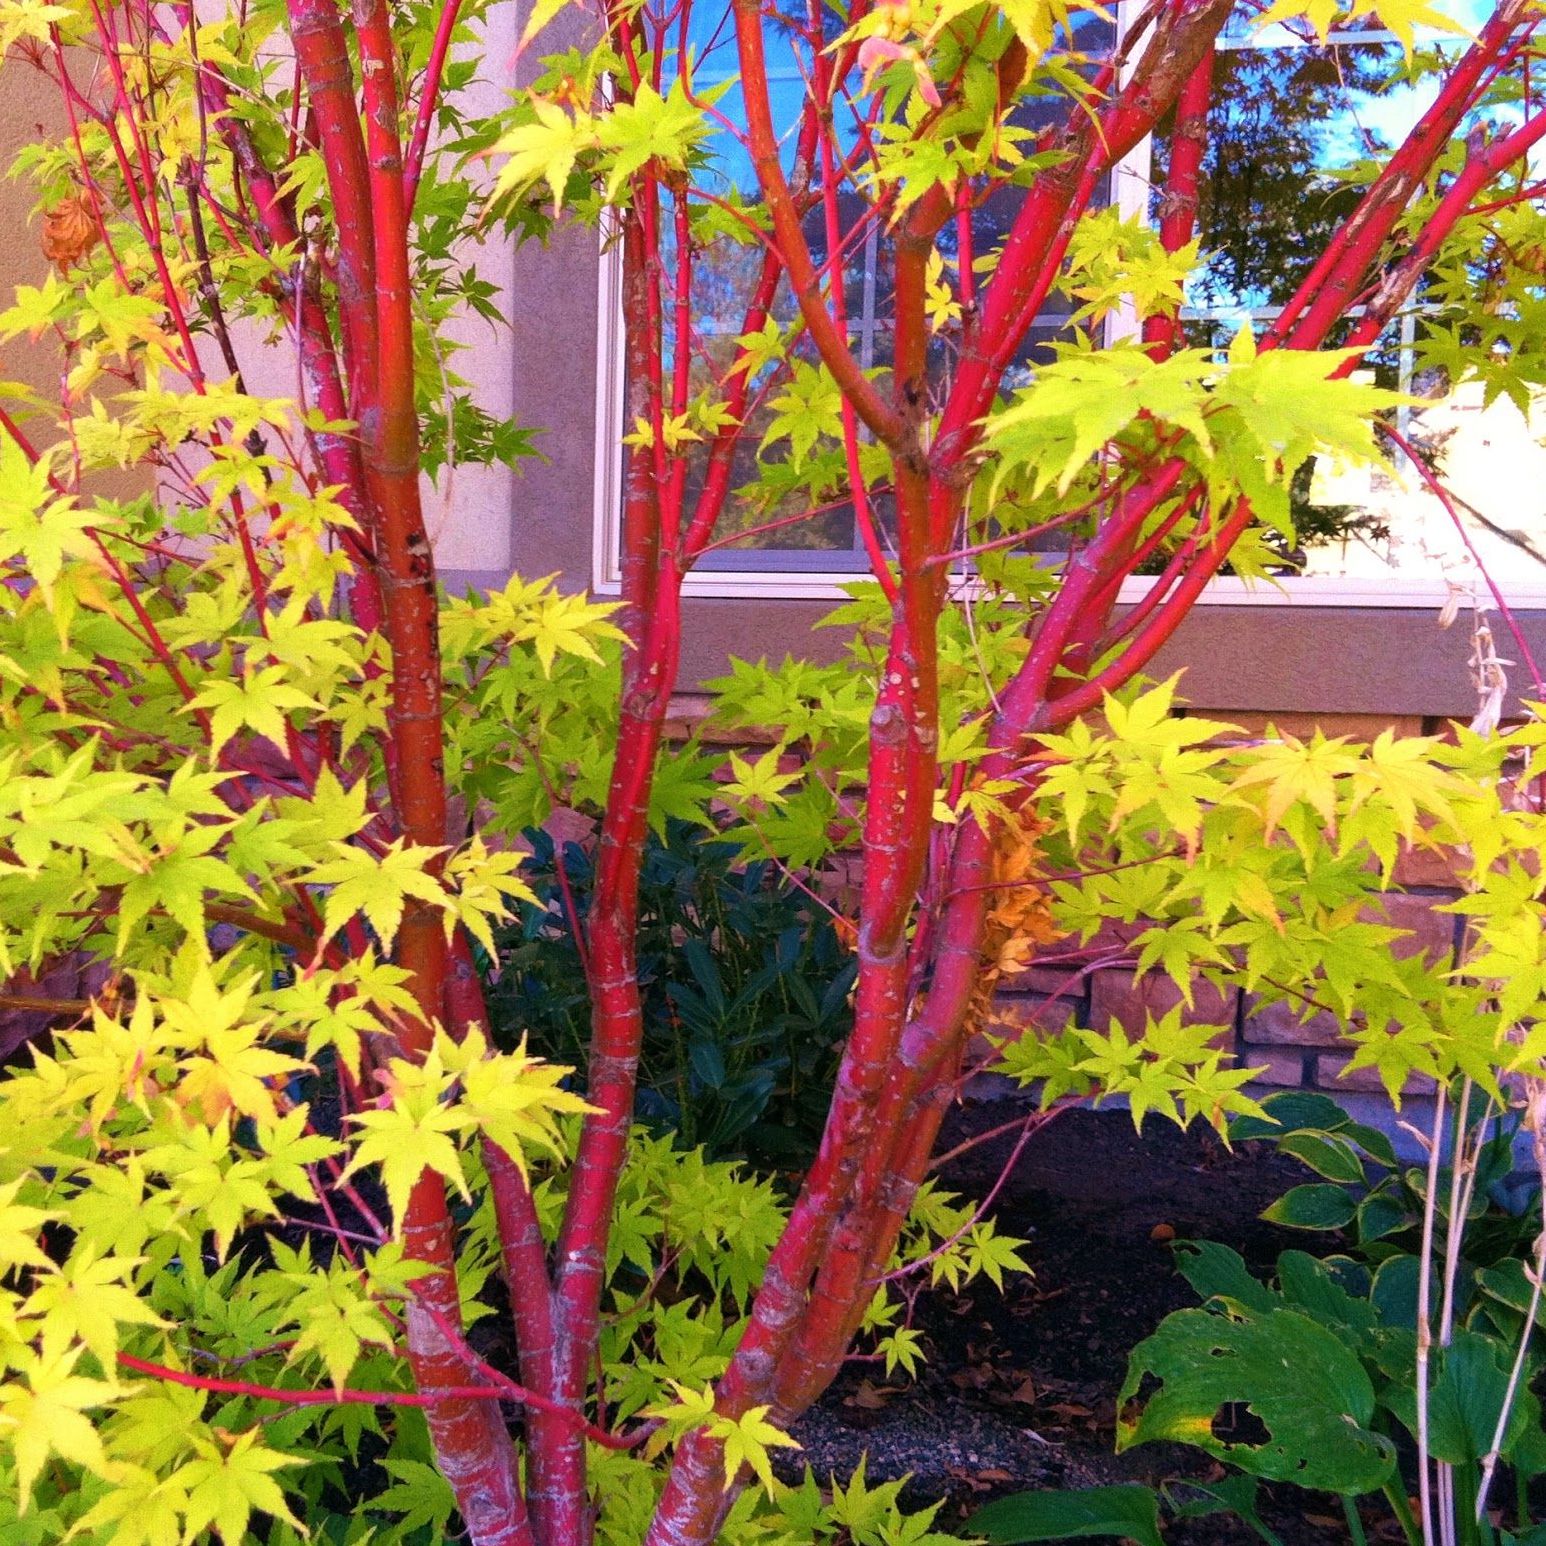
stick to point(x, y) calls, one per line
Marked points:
point(1354, 1521)
point(1400, 1506)
point(1424, 1323)
point(1471, 1529)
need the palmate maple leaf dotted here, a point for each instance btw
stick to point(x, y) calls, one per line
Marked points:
point(1293, 771)
point(460, 1089)
point(515, 1099)
point(1020, 919)
point(416, 1133)
point(141, 1508)
point(42, 1413)
point(748, 1441)
point(86, 1301)
point(225, 1488)
point(260, 701)
point(377, 887)
point(19, 1230)
point(229, 1068)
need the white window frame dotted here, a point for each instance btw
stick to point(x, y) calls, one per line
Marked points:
point(1130, 194)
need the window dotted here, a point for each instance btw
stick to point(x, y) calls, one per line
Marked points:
point(816, 556)
point(1283, 103)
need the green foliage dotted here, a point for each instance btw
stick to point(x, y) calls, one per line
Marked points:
point(1382, 1201)
point(1298, 1380)
point(207, 1238)
point(1312, 1377)
point(1366, 1345)
point(745, 987)
point(1129, 1511)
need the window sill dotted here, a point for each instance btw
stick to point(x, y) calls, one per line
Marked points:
point(1317, 591)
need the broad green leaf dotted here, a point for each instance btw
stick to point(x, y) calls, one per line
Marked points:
point(1327, 1155)
point(1129, 1511)
point(1314, 1206)
point(1228, 1495)
point(1300, 1381)
point(1216, 1271)
point(1469, 1380)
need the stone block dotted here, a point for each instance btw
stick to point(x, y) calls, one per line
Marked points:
point(1115, 995)
point(1285, 1070)
point(74, 976)
point(1367, 727)
point(1434, 869)
point(1012, 1017)
point(1068, 985)
point(1014, 1014)
point(566, 826)
point(1428, 932)
point(1277, 1025)
point(1331, 1075)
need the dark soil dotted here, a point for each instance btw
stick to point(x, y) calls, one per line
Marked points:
point(1020, 1387)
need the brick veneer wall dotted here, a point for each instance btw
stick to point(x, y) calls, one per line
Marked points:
point(1288, 1051)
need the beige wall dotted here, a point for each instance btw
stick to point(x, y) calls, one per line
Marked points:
point(28, 110)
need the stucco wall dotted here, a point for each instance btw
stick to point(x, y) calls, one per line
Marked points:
point(28, 110)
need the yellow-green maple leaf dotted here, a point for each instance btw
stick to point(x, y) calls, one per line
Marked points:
point(414, 1133)
point(512, 1099)
point(228, 1067)
point(86, 1301)
point(379, 888)
point(140, 1509)
point(749, 1440)
point(224, 1487)
point(42, 1413)
point(260, 700)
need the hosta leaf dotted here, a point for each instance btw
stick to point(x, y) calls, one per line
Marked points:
point(1316, 1206)
point(1465, 1396)
point(1326, 1155)
point(1129, 1511)
point(1301, 1382)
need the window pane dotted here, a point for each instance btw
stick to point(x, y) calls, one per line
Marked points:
point(1285, 123)
point(1289, 123)
point(1493, 465)
point(826, 537)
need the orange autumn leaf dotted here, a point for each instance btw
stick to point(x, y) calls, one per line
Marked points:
point(70, 230)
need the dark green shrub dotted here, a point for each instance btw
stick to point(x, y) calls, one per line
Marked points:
point(745, 988)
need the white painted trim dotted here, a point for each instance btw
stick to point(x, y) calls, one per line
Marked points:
point(1130, 180)
point(607, 480)
point(1317, 591)
point(1341, 591)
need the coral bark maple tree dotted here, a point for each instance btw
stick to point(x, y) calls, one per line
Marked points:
point(1151, 456)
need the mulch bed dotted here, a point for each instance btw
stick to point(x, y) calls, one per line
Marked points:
point(1020, 1388)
